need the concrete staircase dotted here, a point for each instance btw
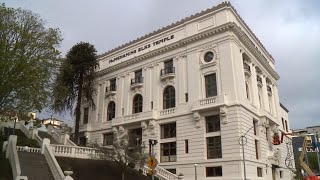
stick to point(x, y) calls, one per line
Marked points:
point(34, 166)
point(43, 135)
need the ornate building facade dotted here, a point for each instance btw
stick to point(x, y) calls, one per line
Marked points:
point(196, 86)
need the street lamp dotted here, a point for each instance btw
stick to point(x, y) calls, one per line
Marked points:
point(243, 141)
point(15, 118)
point(195, 171)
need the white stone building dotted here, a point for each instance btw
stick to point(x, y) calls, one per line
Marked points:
point(195, 86)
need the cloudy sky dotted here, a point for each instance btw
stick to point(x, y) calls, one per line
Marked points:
point(289, 29)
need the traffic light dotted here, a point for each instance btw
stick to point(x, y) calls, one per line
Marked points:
point(153, 142)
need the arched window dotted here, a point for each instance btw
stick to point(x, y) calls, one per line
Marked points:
point(169, 97)
point(111, 111)
point(137, 104)
point(248, 91)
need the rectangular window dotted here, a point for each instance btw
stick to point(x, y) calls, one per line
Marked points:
point(168, 66)
point(168, 130)
point(214, 171)
point(214, 147)
point(283, 124)
point(138, 76)
point(211, 85)
point(259, 172)
point(186, 146)
point(113, 84)
point(151, 104)
point(107, 139)
point(213, 123)
point(187, 98)
point(286, 125)
point(267, 134)
point(256, 147)
point(281, 174)
point(85, 115)
point(168, 152)
point(254, 127)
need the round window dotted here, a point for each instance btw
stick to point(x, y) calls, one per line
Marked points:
point(208, 56)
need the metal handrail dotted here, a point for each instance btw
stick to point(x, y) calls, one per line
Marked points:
point(136, 80)
point(167, 70)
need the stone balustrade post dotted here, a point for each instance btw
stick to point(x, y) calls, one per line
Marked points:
point(32, 132)
point(73, 152)
point(13, 140)
point(68, 178)
point(50, 129)
point(44, 142)
point(65, 137)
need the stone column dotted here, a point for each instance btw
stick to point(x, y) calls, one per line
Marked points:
point(276, 100)
point(255, 92)
point(265, 93)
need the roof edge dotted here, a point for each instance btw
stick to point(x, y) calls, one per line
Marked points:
point(283, 107)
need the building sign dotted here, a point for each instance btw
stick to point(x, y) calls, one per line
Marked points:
point(142, 48)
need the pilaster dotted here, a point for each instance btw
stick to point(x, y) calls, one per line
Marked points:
point(254, 84)
point(265, 93)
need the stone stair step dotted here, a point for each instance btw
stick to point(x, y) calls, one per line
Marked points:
point(43, 135)
point(35, 166)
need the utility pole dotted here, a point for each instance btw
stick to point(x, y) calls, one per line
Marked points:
point(315, 134)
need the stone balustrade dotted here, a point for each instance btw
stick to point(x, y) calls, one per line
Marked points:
point(210, 102)
point(74, 151)
point(28, 149)
point(167, 111)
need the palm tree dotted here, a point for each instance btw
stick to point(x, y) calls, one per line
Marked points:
point(75, 81)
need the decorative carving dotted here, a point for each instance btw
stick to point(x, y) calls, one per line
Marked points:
point(144, 125)
point(196, 117)
point(121, 129)
point(111, 98)
point(182, 56)
point(152, 125)
point(115, 130)
point(205, 49)
point(223, 115)
point(144, 128)
point(137, 90)
point(168, 81)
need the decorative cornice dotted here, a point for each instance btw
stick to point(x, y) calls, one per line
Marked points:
point(231, 26)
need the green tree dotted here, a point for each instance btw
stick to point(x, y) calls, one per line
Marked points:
point(28, 60)
point(75, 81)
point(125, 154)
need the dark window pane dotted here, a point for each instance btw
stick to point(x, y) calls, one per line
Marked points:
point(211, 85)
point(111, 112)
point(108, 139)
point(214, 171)
point(137, 104)
point(214, 147)
point(213, 123)
point(169, 99)
point(259, 172)
point(168, 130)
point(168, 152)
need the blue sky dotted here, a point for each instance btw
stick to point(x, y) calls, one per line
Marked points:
point(289, 29)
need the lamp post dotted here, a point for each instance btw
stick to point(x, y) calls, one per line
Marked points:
point(243, 141)
point(195, 171)
point(15, 118)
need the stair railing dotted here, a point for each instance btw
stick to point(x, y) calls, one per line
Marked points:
point(24, 129)
point(161, 173)
point(56, 137)
point(38, 139)
point(13, 157)
point(52, 162)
